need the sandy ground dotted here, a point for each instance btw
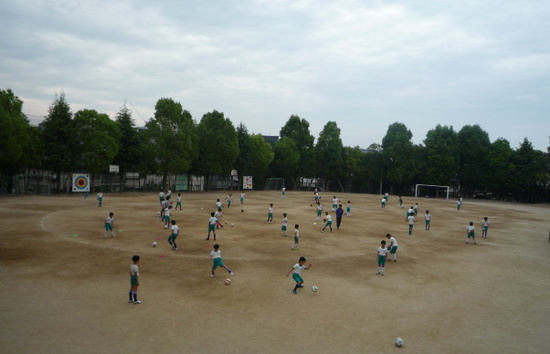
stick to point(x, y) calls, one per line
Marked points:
point(64, 287)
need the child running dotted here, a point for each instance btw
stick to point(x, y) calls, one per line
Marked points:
point(228, 200)
point(216, 257)
point(381, 259)
point(319, 212)
point(218, 214)
point(212, 221)
point(270, 214)
point(296, 245)
point(485, 227)
point(284, 224)
point(328, 222)
point(175, 231)
point(296, 270)
point(109, 220)
point(166, 217)
point(134, 281)
point(470, 233)
point(411, 220)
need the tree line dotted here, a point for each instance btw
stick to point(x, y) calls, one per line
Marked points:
point(172, 142)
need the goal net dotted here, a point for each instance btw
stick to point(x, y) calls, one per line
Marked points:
point(274, 184)
point(431, 191)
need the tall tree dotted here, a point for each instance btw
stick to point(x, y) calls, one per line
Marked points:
point(297, 129)
point(130, 149)
point(354, 160)
point(473, 143)
point(441, 155)
point(170, 139)
point(398, 163)
point(329, 151)
point(286, 159)
point(60, 140)
point(13, 136)
point(499, 163)
point(243, 164)
point(218, 145)
point(529, 177)
point(98, 138)
point(261, 158)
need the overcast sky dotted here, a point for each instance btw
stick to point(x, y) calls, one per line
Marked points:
point(364, 64)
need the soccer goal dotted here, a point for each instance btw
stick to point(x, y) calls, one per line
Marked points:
point(274, 184)
point(431, 191)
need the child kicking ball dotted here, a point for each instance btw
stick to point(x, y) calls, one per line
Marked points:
point(296, 270)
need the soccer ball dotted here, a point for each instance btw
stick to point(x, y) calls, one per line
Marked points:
point(398, 342)
point(314, 223)
point(232, 225)
point(154, 244)
point(158, 214)
point(227, 281)
point(314, 288)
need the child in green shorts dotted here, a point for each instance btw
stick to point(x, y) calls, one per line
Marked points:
point(174, 232)
point(134, 280)
point(485, 227)
point(296, 270)
point(381, 258)
point(284, 224)
point(216, 258)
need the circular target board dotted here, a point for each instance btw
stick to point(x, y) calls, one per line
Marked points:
point(81, 183)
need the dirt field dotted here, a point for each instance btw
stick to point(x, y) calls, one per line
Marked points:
point(64, 287)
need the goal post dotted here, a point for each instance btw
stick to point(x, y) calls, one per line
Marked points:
point(274, 184)
point(431, 191)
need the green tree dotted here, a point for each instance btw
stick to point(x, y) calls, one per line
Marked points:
point(473, 143)
point(354, 160)
point(60, 140)
point(441, 155)
point(98, 138)
point(398, 163)
point(13, 129)
point(243, 164)
point(286, 159)
point(529, 176)
point(500, 167)
point(329, 154)
point(218, 146)
point(261, 158)
point(130, 150)
point(170, 140)
point(297, 129)
point(14, 137)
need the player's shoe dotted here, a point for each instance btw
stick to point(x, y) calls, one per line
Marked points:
point(137, 302)
point(294, 292)
point(211, 275)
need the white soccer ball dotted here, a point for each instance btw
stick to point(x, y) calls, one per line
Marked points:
point(314, 288)
point(232, 224)
point(314, 223)
point(227, 281)
point(158, 214)
point(154, 244)
point(398, 342)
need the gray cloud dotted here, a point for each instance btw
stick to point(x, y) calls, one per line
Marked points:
point(362, 64)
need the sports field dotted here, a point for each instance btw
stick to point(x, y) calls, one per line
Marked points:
point(64, 288)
